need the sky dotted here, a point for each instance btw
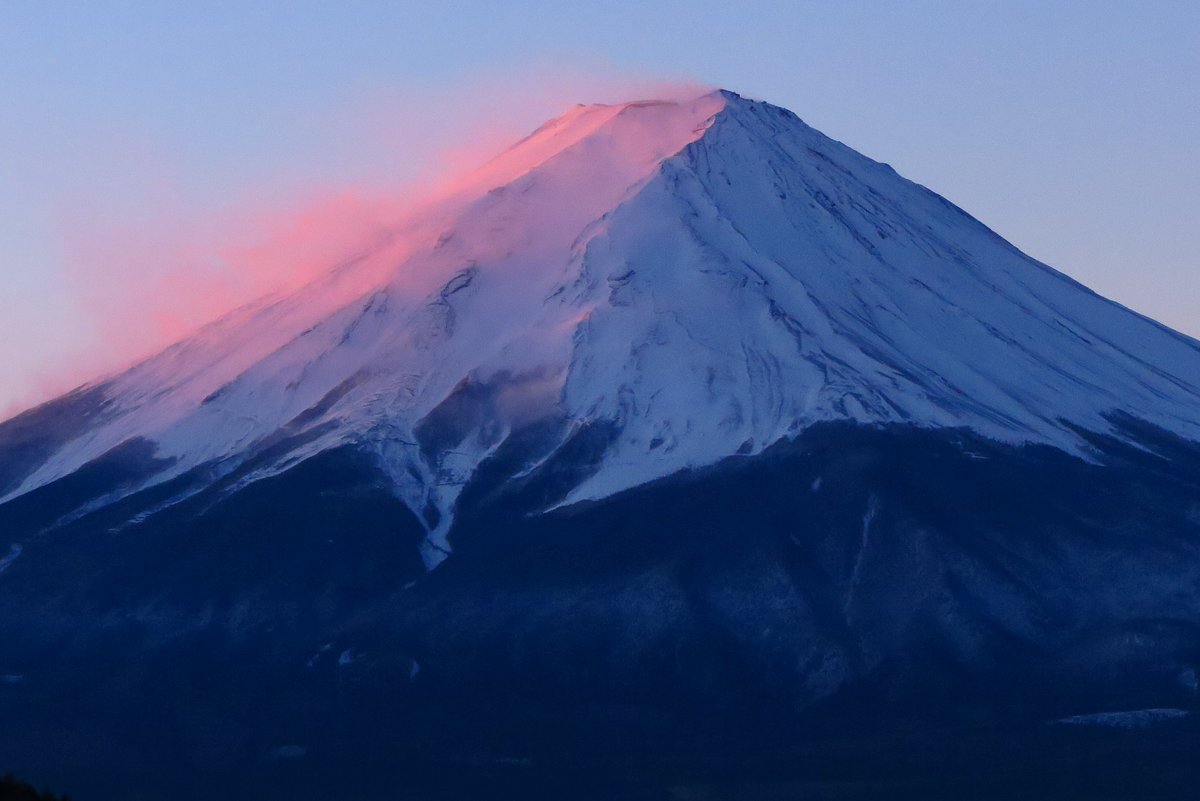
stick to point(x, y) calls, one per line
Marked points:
point(162, 162)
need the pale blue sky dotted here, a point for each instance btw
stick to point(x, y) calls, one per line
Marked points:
point(1069, 127)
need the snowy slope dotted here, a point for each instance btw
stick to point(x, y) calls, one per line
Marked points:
point(772, 277)
point(705, 278)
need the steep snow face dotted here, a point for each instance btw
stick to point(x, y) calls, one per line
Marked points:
point(771, 277)
point(702, 278)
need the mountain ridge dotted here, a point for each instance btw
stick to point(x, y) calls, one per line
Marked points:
point(843, 278)
point(705, 454)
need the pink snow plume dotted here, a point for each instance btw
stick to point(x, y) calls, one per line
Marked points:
point(163, 272)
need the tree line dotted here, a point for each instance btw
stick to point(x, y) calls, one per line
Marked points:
point(12, 789)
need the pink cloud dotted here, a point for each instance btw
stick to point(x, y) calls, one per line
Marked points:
point(147, 259)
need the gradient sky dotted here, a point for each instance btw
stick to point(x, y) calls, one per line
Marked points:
point(130, 131)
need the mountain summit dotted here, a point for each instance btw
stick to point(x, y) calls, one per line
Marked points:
point(697, 279)
point(711, 427)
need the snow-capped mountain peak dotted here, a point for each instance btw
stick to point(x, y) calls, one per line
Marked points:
point(679, 281)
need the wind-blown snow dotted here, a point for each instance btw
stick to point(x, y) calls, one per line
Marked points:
point(707, 277)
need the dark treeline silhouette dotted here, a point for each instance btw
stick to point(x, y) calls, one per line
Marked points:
point(11, 789)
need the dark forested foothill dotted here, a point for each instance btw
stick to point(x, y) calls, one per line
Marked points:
point(12, 789)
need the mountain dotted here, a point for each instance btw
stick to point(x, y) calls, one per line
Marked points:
point(678, 438)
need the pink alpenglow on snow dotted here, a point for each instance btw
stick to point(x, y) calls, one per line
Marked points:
point(517, 224)
point(140, 290)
